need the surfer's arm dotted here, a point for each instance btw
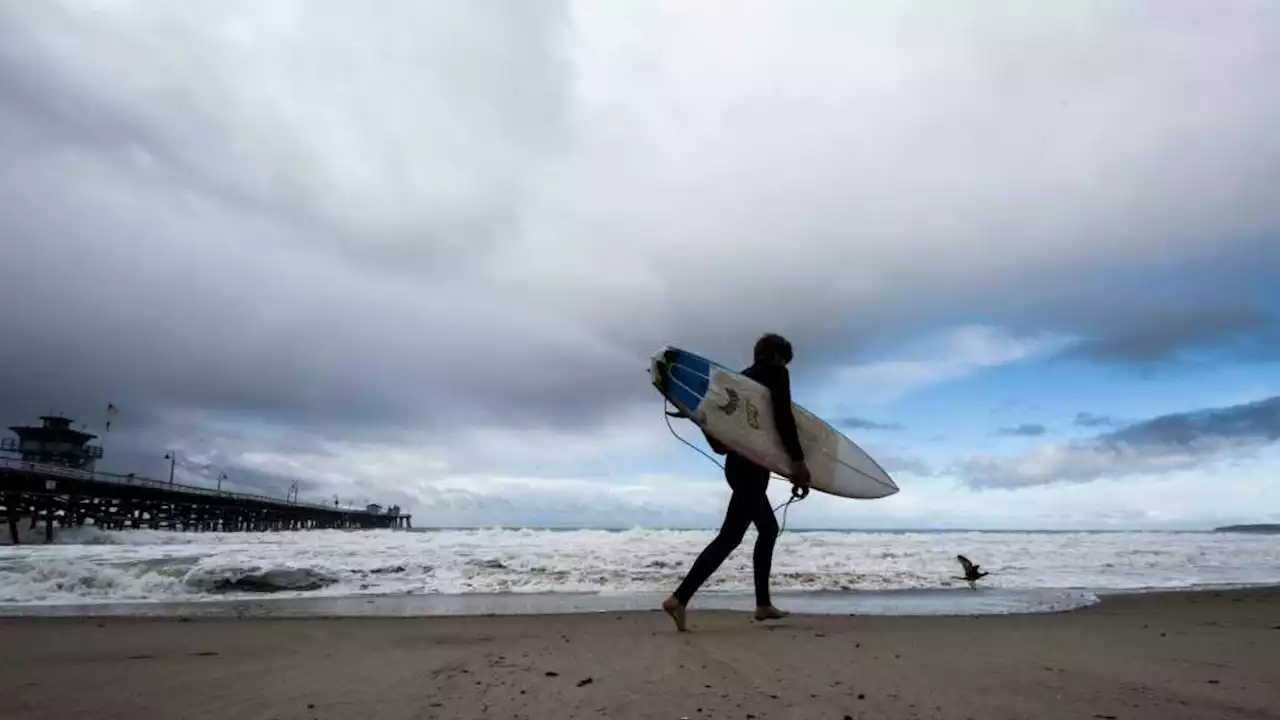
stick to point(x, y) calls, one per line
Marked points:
point(783, 417)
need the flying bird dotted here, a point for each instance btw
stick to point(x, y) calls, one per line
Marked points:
point(971, 572)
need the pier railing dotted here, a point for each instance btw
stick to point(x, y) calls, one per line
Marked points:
point(136, 481)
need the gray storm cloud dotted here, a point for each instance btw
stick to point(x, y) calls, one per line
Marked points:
point(1093, 420)
point(1023, 430)
point(1177, 441)
point(434, 217)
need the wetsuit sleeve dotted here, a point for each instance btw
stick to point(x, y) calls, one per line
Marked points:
point(783, 417)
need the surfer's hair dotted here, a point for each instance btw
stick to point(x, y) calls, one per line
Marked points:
point(771, 345)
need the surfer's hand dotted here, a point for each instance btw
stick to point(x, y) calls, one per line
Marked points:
point(800, 481)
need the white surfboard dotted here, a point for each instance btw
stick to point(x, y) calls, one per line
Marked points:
point(737, 411)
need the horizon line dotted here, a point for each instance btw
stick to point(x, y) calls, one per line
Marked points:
point(905, 529)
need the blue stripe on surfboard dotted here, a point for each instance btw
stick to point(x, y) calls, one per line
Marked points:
point(692, 379)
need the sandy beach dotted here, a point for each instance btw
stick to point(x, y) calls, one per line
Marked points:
point(1159, 656)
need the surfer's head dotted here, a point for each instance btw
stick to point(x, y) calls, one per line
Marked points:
point(772, 349)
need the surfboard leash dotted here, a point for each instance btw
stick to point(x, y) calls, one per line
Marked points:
point(795, 490)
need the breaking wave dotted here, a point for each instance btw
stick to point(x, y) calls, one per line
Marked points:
point(93, 566)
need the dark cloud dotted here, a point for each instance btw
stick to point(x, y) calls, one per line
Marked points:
point(204, 300)
point(1259, 421)
point(1023, 430)
point(1176, 441)
point(1093, 420)
point(1144, 337)
point(855, 423)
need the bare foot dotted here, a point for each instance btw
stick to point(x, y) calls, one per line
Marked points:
point(675, 609)
point(769, 612)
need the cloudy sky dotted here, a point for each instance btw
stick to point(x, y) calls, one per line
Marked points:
point(419, 252)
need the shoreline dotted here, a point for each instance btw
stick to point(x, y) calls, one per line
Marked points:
point(939, 602)
point(1167, 655)
point(912, 602)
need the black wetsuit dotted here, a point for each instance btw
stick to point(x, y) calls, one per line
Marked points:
point(749, 502)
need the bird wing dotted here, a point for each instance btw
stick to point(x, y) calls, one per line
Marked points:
point(964, 563)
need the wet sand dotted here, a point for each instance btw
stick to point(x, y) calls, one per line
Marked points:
point(1160, 656)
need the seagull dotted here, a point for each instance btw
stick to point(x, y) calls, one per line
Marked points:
point(971, 572)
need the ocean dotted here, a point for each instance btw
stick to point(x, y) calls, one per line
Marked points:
point(502, 570)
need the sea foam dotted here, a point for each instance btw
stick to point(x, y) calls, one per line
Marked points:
point(92, 566)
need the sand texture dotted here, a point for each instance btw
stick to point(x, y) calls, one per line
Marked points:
point(1197, 656)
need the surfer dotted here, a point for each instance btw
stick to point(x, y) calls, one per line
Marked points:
point(749, 502)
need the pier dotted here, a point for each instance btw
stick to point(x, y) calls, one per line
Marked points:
point(53, 481)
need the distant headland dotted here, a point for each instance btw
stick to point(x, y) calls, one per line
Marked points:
point(1260, 528)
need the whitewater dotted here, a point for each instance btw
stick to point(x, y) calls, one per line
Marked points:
point(89, 567)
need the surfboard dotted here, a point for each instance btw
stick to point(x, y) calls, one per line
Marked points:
point(737, 411)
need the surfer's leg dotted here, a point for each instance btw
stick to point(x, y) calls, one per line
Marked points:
point(762, 558)
point(736, 519)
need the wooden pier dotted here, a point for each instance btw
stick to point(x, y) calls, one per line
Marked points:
point(68, 497)
point(52, 479)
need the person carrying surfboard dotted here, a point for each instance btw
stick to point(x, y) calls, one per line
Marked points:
point(749, 502)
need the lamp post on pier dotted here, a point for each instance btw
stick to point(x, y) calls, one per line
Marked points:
point(221, 477)
point(172, 457)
